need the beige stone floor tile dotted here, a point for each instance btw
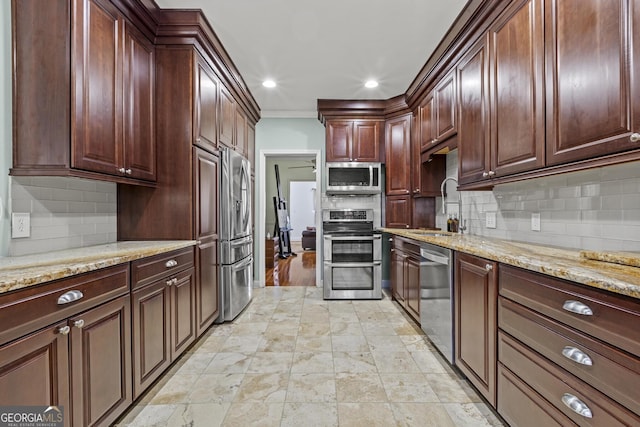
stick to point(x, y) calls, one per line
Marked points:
point(406, 329)
point(416, 343)
point(250, 328)
point(309, 362)
point(148, 416)
point(310, 415)
point(199, 415)
point(209, 345)
point(215, 388)
point(241, 344)
point(345, 317)
point(270, 361)
point(269, 388)
point(371, 316)
point(229, 363)
point(349, 343)
point(345, 328)
point(287, 327)
point(395, 362)
point(354, 362)
point(377, 328)
point(421, 414)
point(450, 389)
point(360, 387)
point(278, 343)
point(311, 388)
point(466, 414)
point(321, 328)
point(313, 343)
point(196, 363)
point(365, 415)
point(176, 390)
point(408, 388)
point(428, 362)
point(254, 414)
point(255, 317)
point(384, 342)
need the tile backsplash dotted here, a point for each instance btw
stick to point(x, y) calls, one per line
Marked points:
point(65, 213)
point(596, 209)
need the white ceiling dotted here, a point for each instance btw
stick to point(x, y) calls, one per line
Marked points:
point(325, 49)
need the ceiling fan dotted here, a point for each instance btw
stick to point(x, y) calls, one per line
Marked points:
point(312, 165)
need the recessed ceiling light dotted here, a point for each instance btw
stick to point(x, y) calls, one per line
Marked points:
point(269, 83)
point(371, 84)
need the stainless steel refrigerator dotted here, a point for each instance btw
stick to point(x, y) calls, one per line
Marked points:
point(236, 241)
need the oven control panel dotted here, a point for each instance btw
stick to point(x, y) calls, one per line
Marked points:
point(347, 215)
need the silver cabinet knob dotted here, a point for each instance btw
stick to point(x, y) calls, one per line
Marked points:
point(635, 137)
point(577, 307)
point(488, 267)
point(171, 263)
point(577, 356)
point(175, 280)
point(576, 405)
point(127, 171)
point(169, 282)
point(485, 174)
point(121, 170)
point(64, 330)
point(491, 173)
point(78, 323)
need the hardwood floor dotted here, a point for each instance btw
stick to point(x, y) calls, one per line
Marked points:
point(295, 270)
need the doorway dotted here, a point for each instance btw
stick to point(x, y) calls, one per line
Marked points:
point(302, 207)
point(292, 161)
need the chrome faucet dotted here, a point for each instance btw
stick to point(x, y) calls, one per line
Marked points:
point(463, 223)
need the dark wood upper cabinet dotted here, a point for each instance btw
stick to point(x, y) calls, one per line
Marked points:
point(473, 128)
point(426, 121)
point(353, 140)
point(398, 211)
point(83, 93)
point(251, 147)
point(590, 78)
point(241, 132)
point(206, 106)
point(398, 156)
point(227, 118)
point(445, 107)
point(516, 75)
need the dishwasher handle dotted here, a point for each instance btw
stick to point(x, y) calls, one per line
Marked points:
point(435, 257)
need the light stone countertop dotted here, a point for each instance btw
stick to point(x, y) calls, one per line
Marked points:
point(23, 271)
point(557, 262)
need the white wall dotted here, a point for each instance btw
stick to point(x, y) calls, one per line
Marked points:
point(595, 209)
point(5, 122)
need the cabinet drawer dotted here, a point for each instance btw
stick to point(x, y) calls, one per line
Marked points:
point(556, 385)
point(522, 406)
point(148, 270)
point(26, 310)
point(613, 319)
point(607, 369)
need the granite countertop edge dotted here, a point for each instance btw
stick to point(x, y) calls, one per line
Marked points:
point(557, 262)
point(30, 270)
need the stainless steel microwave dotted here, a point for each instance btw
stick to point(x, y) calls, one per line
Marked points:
point(354, 178)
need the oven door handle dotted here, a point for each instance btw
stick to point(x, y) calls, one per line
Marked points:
point(332, 237)
point(353, 264)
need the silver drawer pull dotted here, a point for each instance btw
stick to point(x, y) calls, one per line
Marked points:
point(78, 323)
point(577, 356)
point(64, 330)
point(576, 405)
point(577, 307)
point(488, 267)
point(70, 296)
point(171, 263)
point(169, 282)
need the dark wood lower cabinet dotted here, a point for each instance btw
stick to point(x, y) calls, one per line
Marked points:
point(405, 275)
point(475, 295)
point(183, 317)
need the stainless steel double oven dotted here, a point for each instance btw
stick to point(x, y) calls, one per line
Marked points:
point(352, 251)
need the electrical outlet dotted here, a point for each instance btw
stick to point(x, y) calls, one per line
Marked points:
point(491, 220)
point(20, 225)
point(535, 221)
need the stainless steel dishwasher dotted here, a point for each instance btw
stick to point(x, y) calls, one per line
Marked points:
point(436, 297)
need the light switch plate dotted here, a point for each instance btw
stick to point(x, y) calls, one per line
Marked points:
point(535, 221)
point(20, 225)
point(491, 220)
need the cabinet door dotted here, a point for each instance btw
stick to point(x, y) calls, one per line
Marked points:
point(101, 363)
point(426, 123)
point(398, 156)
point(206, 106)
point(475, 293)
point(183, 331)
point(366, 141)
point(412, 285)
point(151, 334)
point(338, 140)
point(398, 211)
point(241, 132)
point(517, 92)
point(589, 75)
point(97, 92)
point(227, 118)
point(251, 148)
point(139, 106)
point(34, 370)
point(397, 273)
point(445, 107)
point(473, 138)
point(206, 168)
